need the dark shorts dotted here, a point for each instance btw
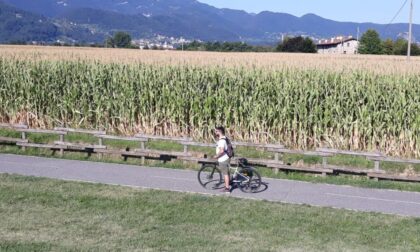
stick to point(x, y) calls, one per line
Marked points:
point(224, 167)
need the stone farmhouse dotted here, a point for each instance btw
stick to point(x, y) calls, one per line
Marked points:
point(338, 45)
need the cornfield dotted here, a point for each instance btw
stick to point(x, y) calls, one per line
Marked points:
point(299, 107)
point(268, 61)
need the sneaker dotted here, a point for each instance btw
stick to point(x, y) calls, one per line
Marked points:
point(226, 190)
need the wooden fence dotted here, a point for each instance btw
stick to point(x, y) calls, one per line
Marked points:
point(187, 155)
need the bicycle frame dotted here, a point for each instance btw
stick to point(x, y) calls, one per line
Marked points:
point(236, 173)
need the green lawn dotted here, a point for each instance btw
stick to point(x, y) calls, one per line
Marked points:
point(50, 215)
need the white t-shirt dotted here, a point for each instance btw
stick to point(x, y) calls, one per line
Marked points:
point(222, 144)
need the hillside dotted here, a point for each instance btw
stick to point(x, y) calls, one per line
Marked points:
point(141, 26)
point(191, 19)
point(17, 25)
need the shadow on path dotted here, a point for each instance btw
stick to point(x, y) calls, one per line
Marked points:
point(262, 188)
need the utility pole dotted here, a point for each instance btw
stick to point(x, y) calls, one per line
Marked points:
point(410, 31)
point(182, 43)
point(358, 34)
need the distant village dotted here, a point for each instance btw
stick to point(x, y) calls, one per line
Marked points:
point(161, 42)
point(336, 45)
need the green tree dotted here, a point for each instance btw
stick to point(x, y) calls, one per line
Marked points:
point(388, 47)
point(415, 50)
point(297, 44)
point(122, 40)
point(370, 43)
point(109, 42)
point(119, 40)
point(401, 46)
point(309, 46)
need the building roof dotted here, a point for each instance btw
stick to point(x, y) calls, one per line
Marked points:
point(335, 41)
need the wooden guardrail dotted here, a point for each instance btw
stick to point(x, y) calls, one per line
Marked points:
point(187, 155)
point(350, 170)
point(378, 174)
point(14, 127)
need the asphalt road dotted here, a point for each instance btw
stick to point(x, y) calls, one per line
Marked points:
point(294, 192)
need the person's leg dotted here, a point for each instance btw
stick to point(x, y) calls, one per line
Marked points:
point(227, 181)
point(224, 167)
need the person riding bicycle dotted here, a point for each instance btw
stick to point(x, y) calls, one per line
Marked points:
point(222, 156)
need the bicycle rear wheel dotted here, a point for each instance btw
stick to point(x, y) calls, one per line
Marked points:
point(251, 181)
point(210, 177)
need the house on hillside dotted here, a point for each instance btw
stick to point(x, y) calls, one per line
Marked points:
point(338, 45)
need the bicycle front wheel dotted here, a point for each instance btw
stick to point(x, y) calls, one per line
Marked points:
point(251, 181)
point(210, 177)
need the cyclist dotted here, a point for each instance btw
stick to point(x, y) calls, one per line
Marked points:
point(222, 156)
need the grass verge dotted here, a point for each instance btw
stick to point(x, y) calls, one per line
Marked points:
point(50, 215)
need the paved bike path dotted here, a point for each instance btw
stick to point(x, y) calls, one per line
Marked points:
point(295, 192)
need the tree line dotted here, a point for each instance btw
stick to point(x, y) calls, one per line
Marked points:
point(223, 47)
point(371, 43)
point(296, 44)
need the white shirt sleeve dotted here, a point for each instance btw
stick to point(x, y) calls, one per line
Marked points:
point(221, 144)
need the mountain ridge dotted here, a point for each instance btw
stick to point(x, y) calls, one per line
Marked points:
point(192, 20)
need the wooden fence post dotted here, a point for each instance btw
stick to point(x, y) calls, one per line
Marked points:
point(61, 150)
point(100, 143)
point(324, 162)
point(23, 134)
point(324, 165)
point(377, 168)
point(142, 158)
point(276, 158)
point(185, 151)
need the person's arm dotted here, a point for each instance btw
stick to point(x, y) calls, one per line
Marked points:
point(220, 152)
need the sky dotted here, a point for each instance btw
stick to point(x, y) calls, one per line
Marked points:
point(377, 11)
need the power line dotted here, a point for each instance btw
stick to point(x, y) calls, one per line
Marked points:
point(398, 13)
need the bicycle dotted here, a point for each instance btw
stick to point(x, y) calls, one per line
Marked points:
point(245, 177)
